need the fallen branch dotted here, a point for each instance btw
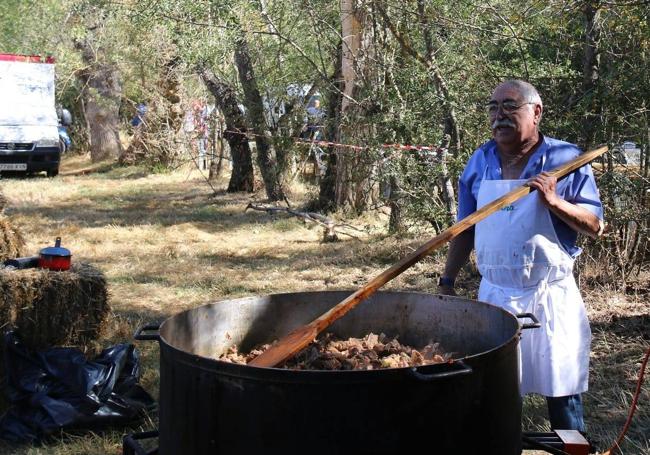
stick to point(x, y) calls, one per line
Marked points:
point(101, 167)
point(330, 227)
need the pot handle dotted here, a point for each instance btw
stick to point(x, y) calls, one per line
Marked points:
point(138, 335)
point(464, 369)
point(131, 446)
point(534, 325)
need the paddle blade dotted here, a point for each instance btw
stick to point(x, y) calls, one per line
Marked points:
point(286, 348)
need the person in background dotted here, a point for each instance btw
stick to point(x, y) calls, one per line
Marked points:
point(138, 118)
point(200, 115)
point(314, 120)
point(525, 252)
point(313, 131)
point(64, 118)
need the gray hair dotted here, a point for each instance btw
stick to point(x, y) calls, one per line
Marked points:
point(527, 90)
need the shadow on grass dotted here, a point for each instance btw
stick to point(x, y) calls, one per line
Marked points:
point(134, 208)
point(344, 254)
point(626, 326)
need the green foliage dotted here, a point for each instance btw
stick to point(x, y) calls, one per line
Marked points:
point(474, 44)
point(624, 250)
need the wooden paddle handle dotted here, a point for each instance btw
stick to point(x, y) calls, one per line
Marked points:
point(301, 337)
point(578, 162)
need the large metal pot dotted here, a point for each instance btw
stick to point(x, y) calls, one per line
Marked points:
point(212, 407)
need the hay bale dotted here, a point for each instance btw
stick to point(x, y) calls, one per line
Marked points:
point(11, 240)
point(50, 308)
point(3, 202)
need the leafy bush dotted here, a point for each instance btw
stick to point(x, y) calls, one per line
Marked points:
point(624, 249)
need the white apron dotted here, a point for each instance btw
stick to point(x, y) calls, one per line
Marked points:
point(525, 269)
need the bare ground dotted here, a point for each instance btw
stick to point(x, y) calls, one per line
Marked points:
point(166, 244)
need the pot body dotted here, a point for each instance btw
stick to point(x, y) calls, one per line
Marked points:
point(56, 263)
point(468, 407)
point(55, 258)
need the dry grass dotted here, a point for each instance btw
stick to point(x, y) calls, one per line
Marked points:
point(11, 240)
point(165, 244)
point(3, 202)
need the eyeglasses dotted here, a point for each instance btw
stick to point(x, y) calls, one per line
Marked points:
point(508, 107)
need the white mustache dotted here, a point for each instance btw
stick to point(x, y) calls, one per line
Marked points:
point(503, 122)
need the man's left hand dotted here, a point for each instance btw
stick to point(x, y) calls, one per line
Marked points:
point(545, 184)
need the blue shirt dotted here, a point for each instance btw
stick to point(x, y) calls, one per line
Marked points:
point(578, 188)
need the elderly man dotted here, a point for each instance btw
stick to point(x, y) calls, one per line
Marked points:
point(525, 252)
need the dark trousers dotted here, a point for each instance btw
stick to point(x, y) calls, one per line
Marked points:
point(565, 413)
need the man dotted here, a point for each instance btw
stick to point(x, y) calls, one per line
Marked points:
point(313, 131)
point(138, 118)
point(196, 127)
point(525, 252)
point(314, 120)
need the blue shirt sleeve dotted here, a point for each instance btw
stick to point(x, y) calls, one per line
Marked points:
point(579, 188)
point(466, 200)
point(469, 182)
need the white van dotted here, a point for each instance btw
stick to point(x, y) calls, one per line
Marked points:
point(29, 137)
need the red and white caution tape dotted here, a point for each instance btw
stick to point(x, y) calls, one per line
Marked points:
point(329, 144)
point(430, 148)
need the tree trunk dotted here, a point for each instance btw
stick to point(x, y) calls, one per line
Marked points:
point(102, 92)
point(645, 150)
point(170, 83)
point(327, 184)
point(452, 130)
point(353, 169)
point(241, 178)
point(395, 223)
point(351, 32)
point(591, 60)
point(591, 71)
point(447, 188)
point(255, 113)
point(217, 150)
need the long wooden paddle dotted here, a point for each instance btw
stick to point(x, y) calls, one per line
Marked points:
point(288, 346)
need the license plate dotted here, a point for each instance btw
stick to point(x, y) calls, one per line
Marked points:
point(13, 166)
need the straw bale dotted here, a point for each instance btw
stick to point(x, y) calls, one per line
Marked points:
point(3, 202)
point(11, 240)
point(49, 308)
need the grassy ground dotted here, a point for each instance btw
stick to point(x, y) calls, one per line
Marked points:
point(166, 244)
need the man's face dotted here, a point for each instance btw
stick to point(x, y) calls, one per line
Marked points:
point(512, 127)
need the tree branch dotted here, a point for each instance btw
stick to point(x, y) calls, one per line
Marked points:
point(330, 227)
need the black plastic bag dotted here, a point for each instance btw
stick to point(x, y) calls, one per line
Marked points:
point(59, 389)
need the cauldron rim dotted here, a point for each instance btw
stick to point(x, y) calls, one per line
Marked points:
point(282, 374)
